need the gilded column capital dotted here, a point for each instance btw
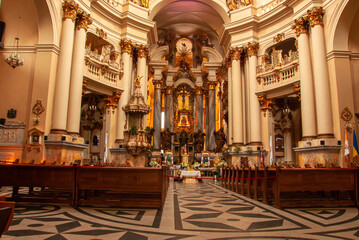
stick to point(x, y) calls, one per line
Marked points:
point(252, 49)
point(126, 46)
point(142, 51)
point(228, 62)
point(212, 85)
point(297, 91)
point(300, 26)
point(236, 53)
point(70, 10)
point(315, 16)
point(199, 90)
point(111, 101)
point(83, 20)
point(169, 90)
point(157, 83)
point(265, 104)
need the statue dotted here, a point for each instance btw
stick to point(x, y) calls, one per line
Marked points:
point(166, 139)
point(199, 141)
point(149, 134)
point(232, 5)
point(220, 138)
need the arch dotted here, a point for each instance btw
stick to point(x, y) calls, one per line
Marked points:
point(110, 41)
point(219, 6)
point(47, 19)
point(338, 39)
point(158, 53)
point(212, 54)
point(185, 81)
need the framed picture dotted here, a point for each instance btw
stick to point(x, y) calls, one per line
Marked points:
point(183, 120)
point(205, 158)
point(169, 156)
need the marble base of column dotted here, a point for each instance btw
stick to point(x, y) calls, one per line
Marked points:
point(308, 138)
point(58, 131)
point(329, 135)
point(237, 144)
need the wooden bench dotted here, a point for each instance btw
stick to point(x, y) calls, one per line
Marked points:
point(6, 214)
point(57, 183)
point(123, 187)
point(315, 180)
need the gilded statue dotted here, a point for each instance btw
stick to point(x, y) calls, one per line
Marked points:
point(149, 134)
point(145, 3)
point(220, 138)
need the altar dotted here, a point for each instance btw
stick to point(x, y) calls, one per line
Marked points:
point(190, 176)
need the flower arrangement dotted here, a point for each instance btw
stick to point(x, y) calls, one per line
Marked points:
point(223, 164)
point(153, 163)
point(196, 165)
point(183, 165)
point(206, 164)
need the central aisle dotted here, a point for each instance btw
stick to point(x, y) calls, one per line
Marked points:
point(192, 211)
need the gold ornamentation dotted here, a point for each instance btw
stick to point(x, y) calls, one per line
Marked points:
point(300, 26)
point(83, 20)
point(114, 56)
point(126, 46)
point(346, 114)
point(157, 83)
point(169, 90)
point(246, 2)
point(111, 101)
point(315, 16)
point(278, 38)
point(145, 3)
point(101, 33)
point(297, 91)
point(236, 53)
point(232, 5)
point(38, 108)
point(138, 81)
point(70, 10)
point(265, 104)
point(84, 84)
point(212, 85)
point(142, 51)
point(252, 49)
point(199, 90)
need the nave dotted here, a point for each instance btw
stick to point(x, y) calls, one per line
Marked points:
point(192, 211)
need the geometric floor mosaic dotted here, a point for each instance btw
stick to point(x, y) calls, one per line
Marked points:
point(192, 211)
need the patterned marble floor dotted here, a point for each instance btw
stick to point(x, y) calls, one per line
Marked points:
point(192, 211)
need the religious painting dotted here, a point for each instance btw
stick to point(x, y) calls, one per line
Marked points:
point(183, 120)
point(279, 143)
point(169, 157)
point(205, 158)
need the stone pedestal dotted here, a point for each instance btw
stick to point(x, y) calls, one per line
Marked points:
point(323, 151)
point(121, 157)
point(65, 149)
point(12, 141)
point(254, 158)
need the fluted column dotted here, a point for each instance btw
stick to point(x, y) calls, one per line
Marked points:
point(199, 108)
point(321, 75)
point(254, 109)
point(61, 94)
point(306, 81)
point(77, 70)
point(211, 114)
point(230, 96)
point(237, 97)
point(169, 107)
point(126, 51)
point(157, 115)
point(142, 54)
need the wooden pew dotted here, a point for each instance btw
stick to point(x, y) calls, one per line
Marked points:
point(123, 187)
point(299, 180)
point(57, 182)
point(8, 212)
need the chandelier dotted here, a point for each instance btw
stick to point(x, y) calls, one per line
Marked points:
point(13, 59)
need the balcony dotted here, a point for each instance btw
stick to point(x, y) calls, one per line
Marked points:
point(278, 73)
point(103, 68)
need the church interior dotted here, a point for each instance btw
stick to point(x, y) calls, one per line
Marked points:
point(179, 119)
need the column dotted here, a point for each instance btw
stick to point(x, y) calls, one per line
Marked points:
point(230, 110)
point(157, 114)
point(126, 51)
point(142, 53)
point(62, 84)
point(77, 69)
point(199, 108)
point(254, 113)
point(169, 107)
point(237, 97)
point(211, 114)
point(306, 81)
point(207, 117)
point(321, 76)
